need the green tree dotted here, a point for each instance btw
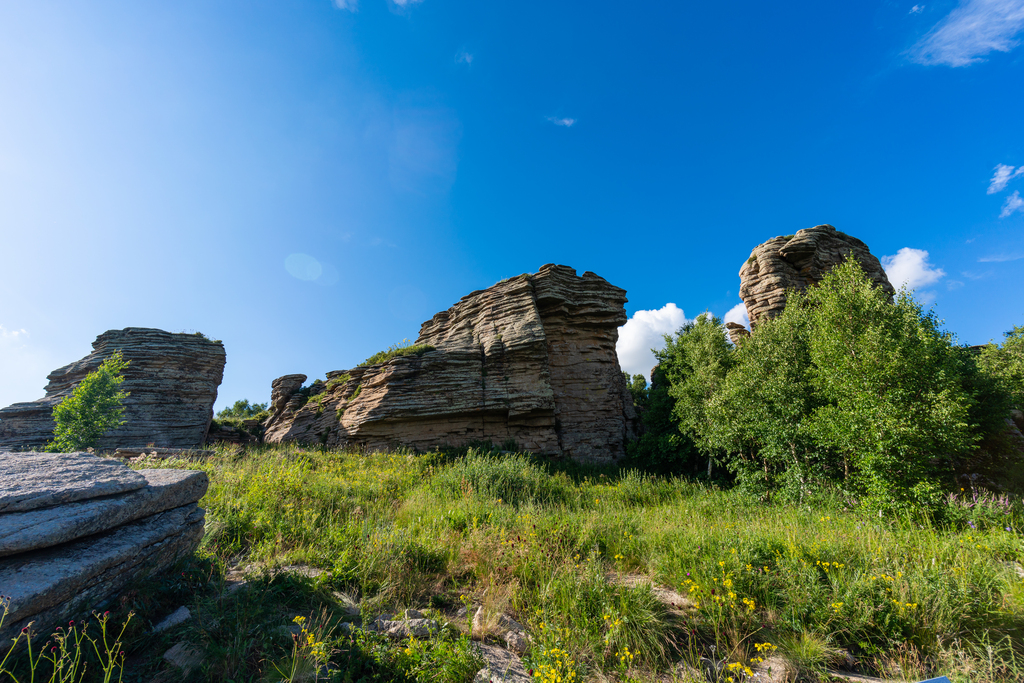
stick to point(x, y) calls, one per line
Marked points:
point(760, 414)
point(660, 447)
point(92, 409)
point(696, 362)
point(1006, 365)
point(243, 409)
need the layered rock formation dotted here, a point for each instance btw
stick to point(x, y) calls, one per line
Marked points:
point(75, 529)
point(172, 380)
point(531, 359)
point(797, 262)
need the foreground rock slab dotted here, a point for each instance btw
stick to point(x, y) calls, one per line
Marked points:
point(531, 359)
point(172, 380)
point(51, 526)
point(50, 586)
point(35, 480)
point(82, 528)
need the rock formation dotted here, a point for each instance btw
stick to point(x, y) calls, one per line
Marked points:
point(75, 529)
point(531, 359)
point(172, 380)
point(797, 262)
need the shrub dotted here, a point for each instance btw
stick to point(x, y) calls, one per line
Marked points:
point(515, 479)
point(406, 348)
point(1006, 364)
point(92, 409)
point(243, 410)
point(661, 447)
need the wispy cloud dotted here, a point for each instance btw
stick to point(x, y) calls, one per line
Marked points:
point(916, 9)
point(463, 57)
point(406, 3)
point(643, 332)
point(972, 30)
point(1013, 203)
point(567, 122)
point(1001, 258)
point(350, 5)
point(1003, 175)
point(910, 268)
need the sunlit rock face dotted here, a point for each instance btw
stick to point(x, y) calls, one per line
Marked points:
point(797, 262)
point(172, 381)
point(531, 359)
point(76, 529)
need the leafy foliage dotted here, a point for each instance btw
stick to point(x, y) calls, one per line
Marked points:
point(93, 408)
point(661, 447)
point(1006, 364)
point(844, 386)
point(243, 409)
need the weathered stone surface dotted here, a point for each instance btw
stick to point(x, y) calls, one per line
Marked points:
point(172, 379)
point(50, 586)
point(175, 618)
point(36, 480)
point(47, 527)
point(797, 262)
point(531, 359)
point(501, 666)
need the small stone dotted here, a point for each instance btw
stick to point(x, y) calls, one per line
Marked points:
point(517, 641)
point(501, 666)
point(184, 656)
point(420, 628)
point(178, 616)
point(413, 614)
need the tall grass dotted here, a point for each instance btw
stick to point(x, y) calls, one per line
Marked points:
point(827, 585)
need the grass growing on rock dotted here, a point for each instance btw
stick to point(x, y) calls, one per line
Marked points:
point(579, 555)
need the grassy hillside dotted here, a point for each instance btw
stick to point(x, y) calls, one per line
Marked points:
point(564, 550)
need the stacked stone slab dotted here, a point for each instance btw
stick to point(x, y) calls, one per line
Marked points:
point(172, 380)
point(75, 529)
point(797, 262)
point(531, 359)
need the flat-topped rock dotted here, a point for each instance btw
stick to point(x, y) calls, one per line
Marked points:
point(531, 359)
point(35, 480)
point(50, 586)
point(46, 527)
point(171, 379)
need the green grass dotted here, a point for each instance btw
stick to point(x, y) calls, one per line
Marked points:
point(406, 348)
point(541, 540)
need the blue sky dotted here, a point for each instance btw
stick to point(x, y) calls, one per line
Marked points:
point(310, 180)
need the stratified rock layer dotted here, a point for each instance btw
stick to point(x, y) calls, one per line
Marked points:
point(797, 262)
point(172, 380)
point(60, 559)
point(531, 359)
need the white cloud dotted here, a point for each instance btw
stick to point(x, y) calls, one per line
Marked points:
point(567, 122)
point(909, 267)
point(975, 28)
point(643, 332)
point(1002, 176)
point(463, 58)
point(406, 3)
point(916, 9)
point(1013, 203)
point(738, 314)
point(350, 5)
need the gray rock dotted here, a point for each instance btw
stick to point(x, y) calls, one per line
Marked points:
point(501, 666)
point(34, 480)
point(172, 380)
point(184, 656)
point(178, 616)
point(517, 641)
point(420, 628)
point(50, 586)
point(47, 527)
